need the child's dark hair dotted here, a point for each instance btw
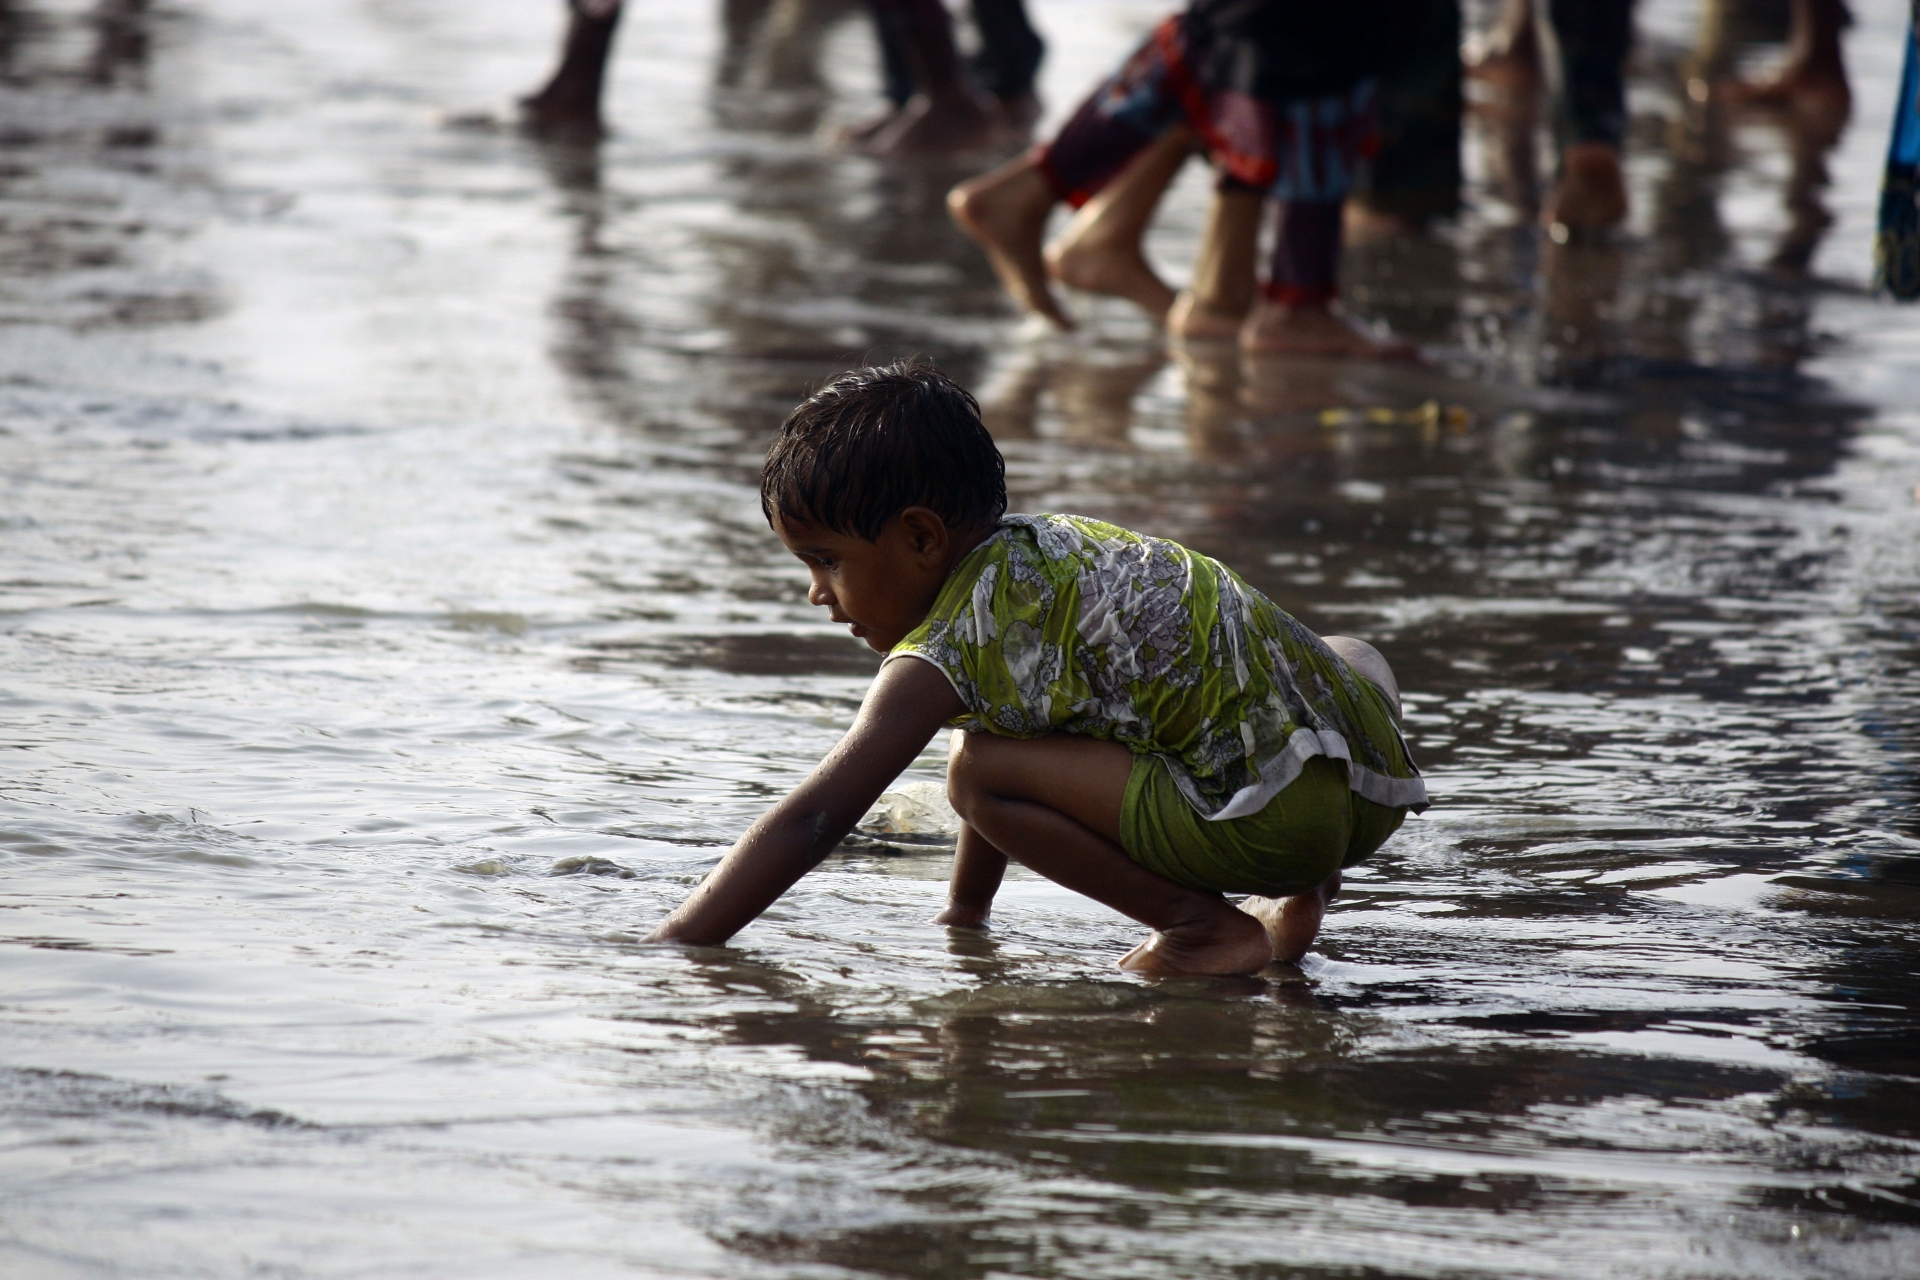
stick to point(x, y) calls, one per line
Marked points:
point(873, 442)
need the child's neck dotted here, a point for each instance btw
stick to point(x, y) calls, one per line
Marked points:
point(964, 542)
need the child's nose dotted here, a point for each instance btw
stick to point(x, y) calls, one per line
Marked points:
point(818, 594)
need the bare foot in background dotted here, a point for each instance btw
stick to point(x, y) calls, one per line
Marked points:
point(855, 136)
point(1364, 225)
point(931, 126)
point(1117, 270)
point(1276, 329)
point(1819, 95)
point(1005, 212)
point(1100, 251)
point(1197, 321)
point(1813, 80)
point(1590, 195)
point(1293, 923)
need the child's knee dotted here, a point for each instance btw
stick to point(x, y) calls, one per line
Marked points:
point(981, 766)
point(964, 769)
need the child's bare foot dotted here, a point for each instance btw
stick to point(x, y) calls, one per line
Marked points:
point(1191, 318)
point(1006, 212)
point(1226, 942)
point(1293, 923)
point(1276, 329)
point(1591, 194)
point(1084, 259)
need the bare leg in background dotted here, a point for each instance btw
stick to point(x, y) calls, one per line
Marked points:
point(569, 103)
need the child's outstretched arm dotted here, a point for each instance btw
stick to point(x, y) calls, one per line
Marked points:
point(906, 706)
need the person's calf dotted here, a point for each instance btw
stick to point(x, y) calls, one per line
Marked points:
point(978, 869)
point(1224, 284)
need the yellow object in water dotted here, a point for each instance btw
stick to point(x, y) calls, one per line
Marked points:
point(1430, 414)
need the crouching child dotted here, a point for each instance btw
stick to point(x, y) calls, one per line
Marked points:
point(1132, 720)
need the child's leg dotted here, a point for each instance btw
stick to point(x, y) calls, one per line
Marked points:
point(1099, 251)
point(1217, 301)
point(1295, 316)
point(1053, 805)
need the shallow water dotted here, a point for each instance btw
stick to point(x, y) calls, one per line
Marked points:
point(390, 637)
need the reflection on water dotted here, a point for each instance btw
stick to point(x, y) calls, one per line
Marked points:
point(391, 636)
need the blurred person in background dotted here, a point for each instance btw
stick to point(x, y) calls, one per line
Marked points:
point(1282, 97)
point(939, 103)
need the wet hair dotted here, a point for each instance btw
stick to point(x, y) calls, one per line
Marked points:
point(875, 441)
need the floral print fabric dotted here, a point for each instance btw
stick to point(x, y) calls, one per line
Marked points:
point(1060, 624)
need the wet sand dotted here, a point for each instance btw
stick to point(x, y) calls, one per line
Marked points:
point(390, 637)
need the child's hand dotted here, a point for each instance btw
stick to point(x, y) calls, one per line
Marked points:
point(958, 916)
point(906, 706)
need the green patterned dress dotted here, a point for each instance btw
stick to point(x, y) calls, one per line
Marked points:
point(1060, 624)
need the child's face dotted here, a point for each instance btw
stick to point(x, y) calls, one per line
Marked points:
point(880, 589)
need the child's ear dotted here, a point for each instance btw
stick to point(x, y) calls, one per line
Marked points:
point(926, 532)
